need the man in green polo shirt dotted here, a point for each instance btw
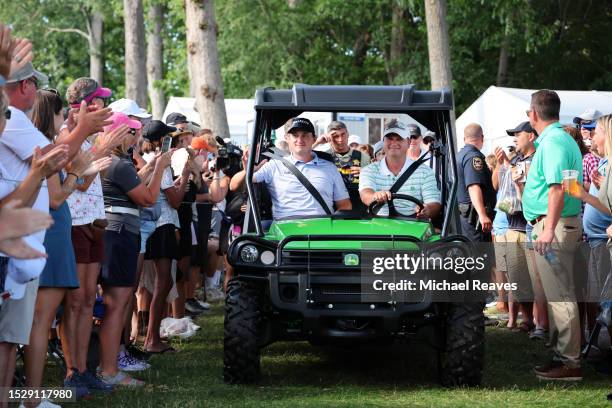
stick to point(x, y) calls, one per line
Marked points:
point(555, 217)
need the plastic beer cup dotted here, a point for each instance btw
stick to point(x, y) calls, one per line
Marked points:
point(570, 182)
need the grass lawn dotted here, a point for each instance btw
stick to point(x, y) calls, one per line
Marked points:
point(299, 375)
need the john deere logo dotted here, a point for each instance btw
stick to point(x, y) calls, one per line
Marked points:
point(351, 260)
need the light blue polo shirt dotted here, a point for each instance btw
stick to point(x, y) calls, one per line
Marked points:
point(421, 185)
point(290, 198)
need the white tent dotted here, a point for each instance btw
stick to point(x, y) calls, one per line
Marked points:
point(498, 109)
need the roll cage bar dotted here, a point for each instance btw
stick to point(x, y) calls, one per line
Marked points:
point(432, 109)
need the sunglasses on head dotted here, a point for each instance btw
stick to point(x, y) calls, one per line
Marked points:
point(32, 80)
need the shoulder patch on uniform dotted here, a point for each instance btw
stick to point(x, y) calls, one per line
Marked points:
point(477, 163)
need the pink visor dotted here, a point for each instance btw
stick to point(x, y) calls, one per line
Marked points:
point(119, 119)
point(100, 92)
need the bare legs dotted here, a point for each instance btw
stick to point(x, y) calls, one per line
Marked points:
point(116, 300)
point(163, 283)
point(77, 321)
point(47, 302)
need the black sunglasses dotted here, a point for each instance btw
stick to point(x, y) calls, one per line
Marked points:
point(7, 114)
point(132, 131)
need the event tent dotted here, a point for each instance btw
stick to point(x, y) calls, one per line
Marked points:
point(498, 109)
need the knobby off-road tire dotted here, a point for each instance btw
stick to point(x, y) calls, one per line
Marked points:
point(463, 359)
point(241, 351)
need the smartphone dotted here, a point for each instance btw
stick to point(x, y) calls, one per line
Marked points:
point(166, 142)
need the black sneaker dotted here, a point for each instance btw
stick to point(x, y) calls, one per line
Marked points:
point(192, 306)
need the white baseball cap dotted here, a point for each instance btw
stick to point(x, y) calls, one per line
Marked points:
point(589, 115)
point(129, 107)
point(22, 271)
point(354, 139)
point(398, 128)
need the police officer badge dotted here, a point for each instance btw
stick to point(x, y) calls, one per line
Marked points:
point(477, 163)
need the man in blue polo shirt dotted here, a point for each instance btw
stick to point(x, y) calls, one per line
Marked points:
point(289, 197)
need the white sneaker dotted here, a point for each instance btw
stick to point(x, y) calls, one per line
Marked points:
point(214, 294)
point(125, 362)
point(47, 404)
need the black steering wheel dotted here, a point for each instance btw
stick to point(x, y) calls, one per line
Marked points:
point(375, 206)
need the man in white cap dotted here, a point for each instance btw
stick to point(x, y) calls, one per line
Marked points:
point(377, 178)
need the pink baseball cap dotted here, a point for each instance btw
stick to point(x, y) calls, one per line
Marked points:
point(119, 119)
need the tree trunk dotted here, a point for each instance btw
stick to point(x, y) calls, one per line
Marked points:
point(205, 70)
point(396, 50)
point(437, 43)
point(502, 67)
point(96, 55)
point(155, 60)
point(135, 52)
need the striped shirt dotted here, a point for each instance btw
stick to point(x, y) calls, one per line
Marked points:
point(421, 185)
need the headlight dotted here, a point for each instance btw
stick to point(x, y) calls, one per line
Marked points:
point(249, 254)
point(267, 257)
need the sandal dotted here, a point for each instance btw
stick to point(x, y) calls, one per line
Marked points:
point(525, 327)
point(122, 379)
point(168, 349)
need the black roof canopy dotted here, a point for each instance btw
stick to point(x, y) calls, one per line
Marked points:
point(283, 104)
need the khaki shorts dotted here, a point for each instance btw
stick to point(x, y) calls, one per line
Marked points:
point(516, 262)
point(499, 245)
point(16, 316)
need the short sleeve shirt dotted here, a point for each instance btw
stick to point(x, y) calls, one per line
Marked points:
point(85, 207)
point(290, 197)
point(168, 214)
point(472, 169)
point(120, 178)
point(421, 185)
point(345, 161)
point(555, 151)
point(17, 145)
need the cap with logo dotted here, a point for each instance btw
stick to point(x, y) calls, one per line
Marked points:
point(398, 128)
point(156, 129)
point(129, 107)
point(28, 71)
point(301, 124)
point(588, 118)
point(413, 130)
point(85, 89)
point(176, 118)
point(522, 127)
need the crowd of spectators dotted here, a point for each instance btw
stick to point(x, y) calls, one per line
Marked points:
point(99, 205)
point(552, 246)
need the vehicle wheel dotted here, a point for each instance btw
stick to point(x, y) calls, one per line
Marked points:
point(241, 351)
point(463, 359)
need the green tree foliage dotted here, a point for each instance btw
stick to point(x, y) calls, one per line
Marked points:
point(560, 44)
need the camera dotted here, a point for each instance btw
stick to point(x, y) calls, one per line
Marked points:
point(229, 157)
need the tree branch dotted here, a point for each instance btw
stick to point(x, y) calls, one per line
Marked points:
point(69, 30)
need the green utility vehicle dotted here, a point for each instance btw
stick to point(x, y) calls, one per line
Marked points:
point(302, 279)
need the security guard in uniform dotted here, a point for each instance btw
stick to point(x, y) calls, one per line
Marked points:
point(475, 193)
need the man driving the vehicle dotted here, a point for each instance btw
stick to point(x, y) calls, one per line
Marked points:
point(377, 179)
point(289, 196)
